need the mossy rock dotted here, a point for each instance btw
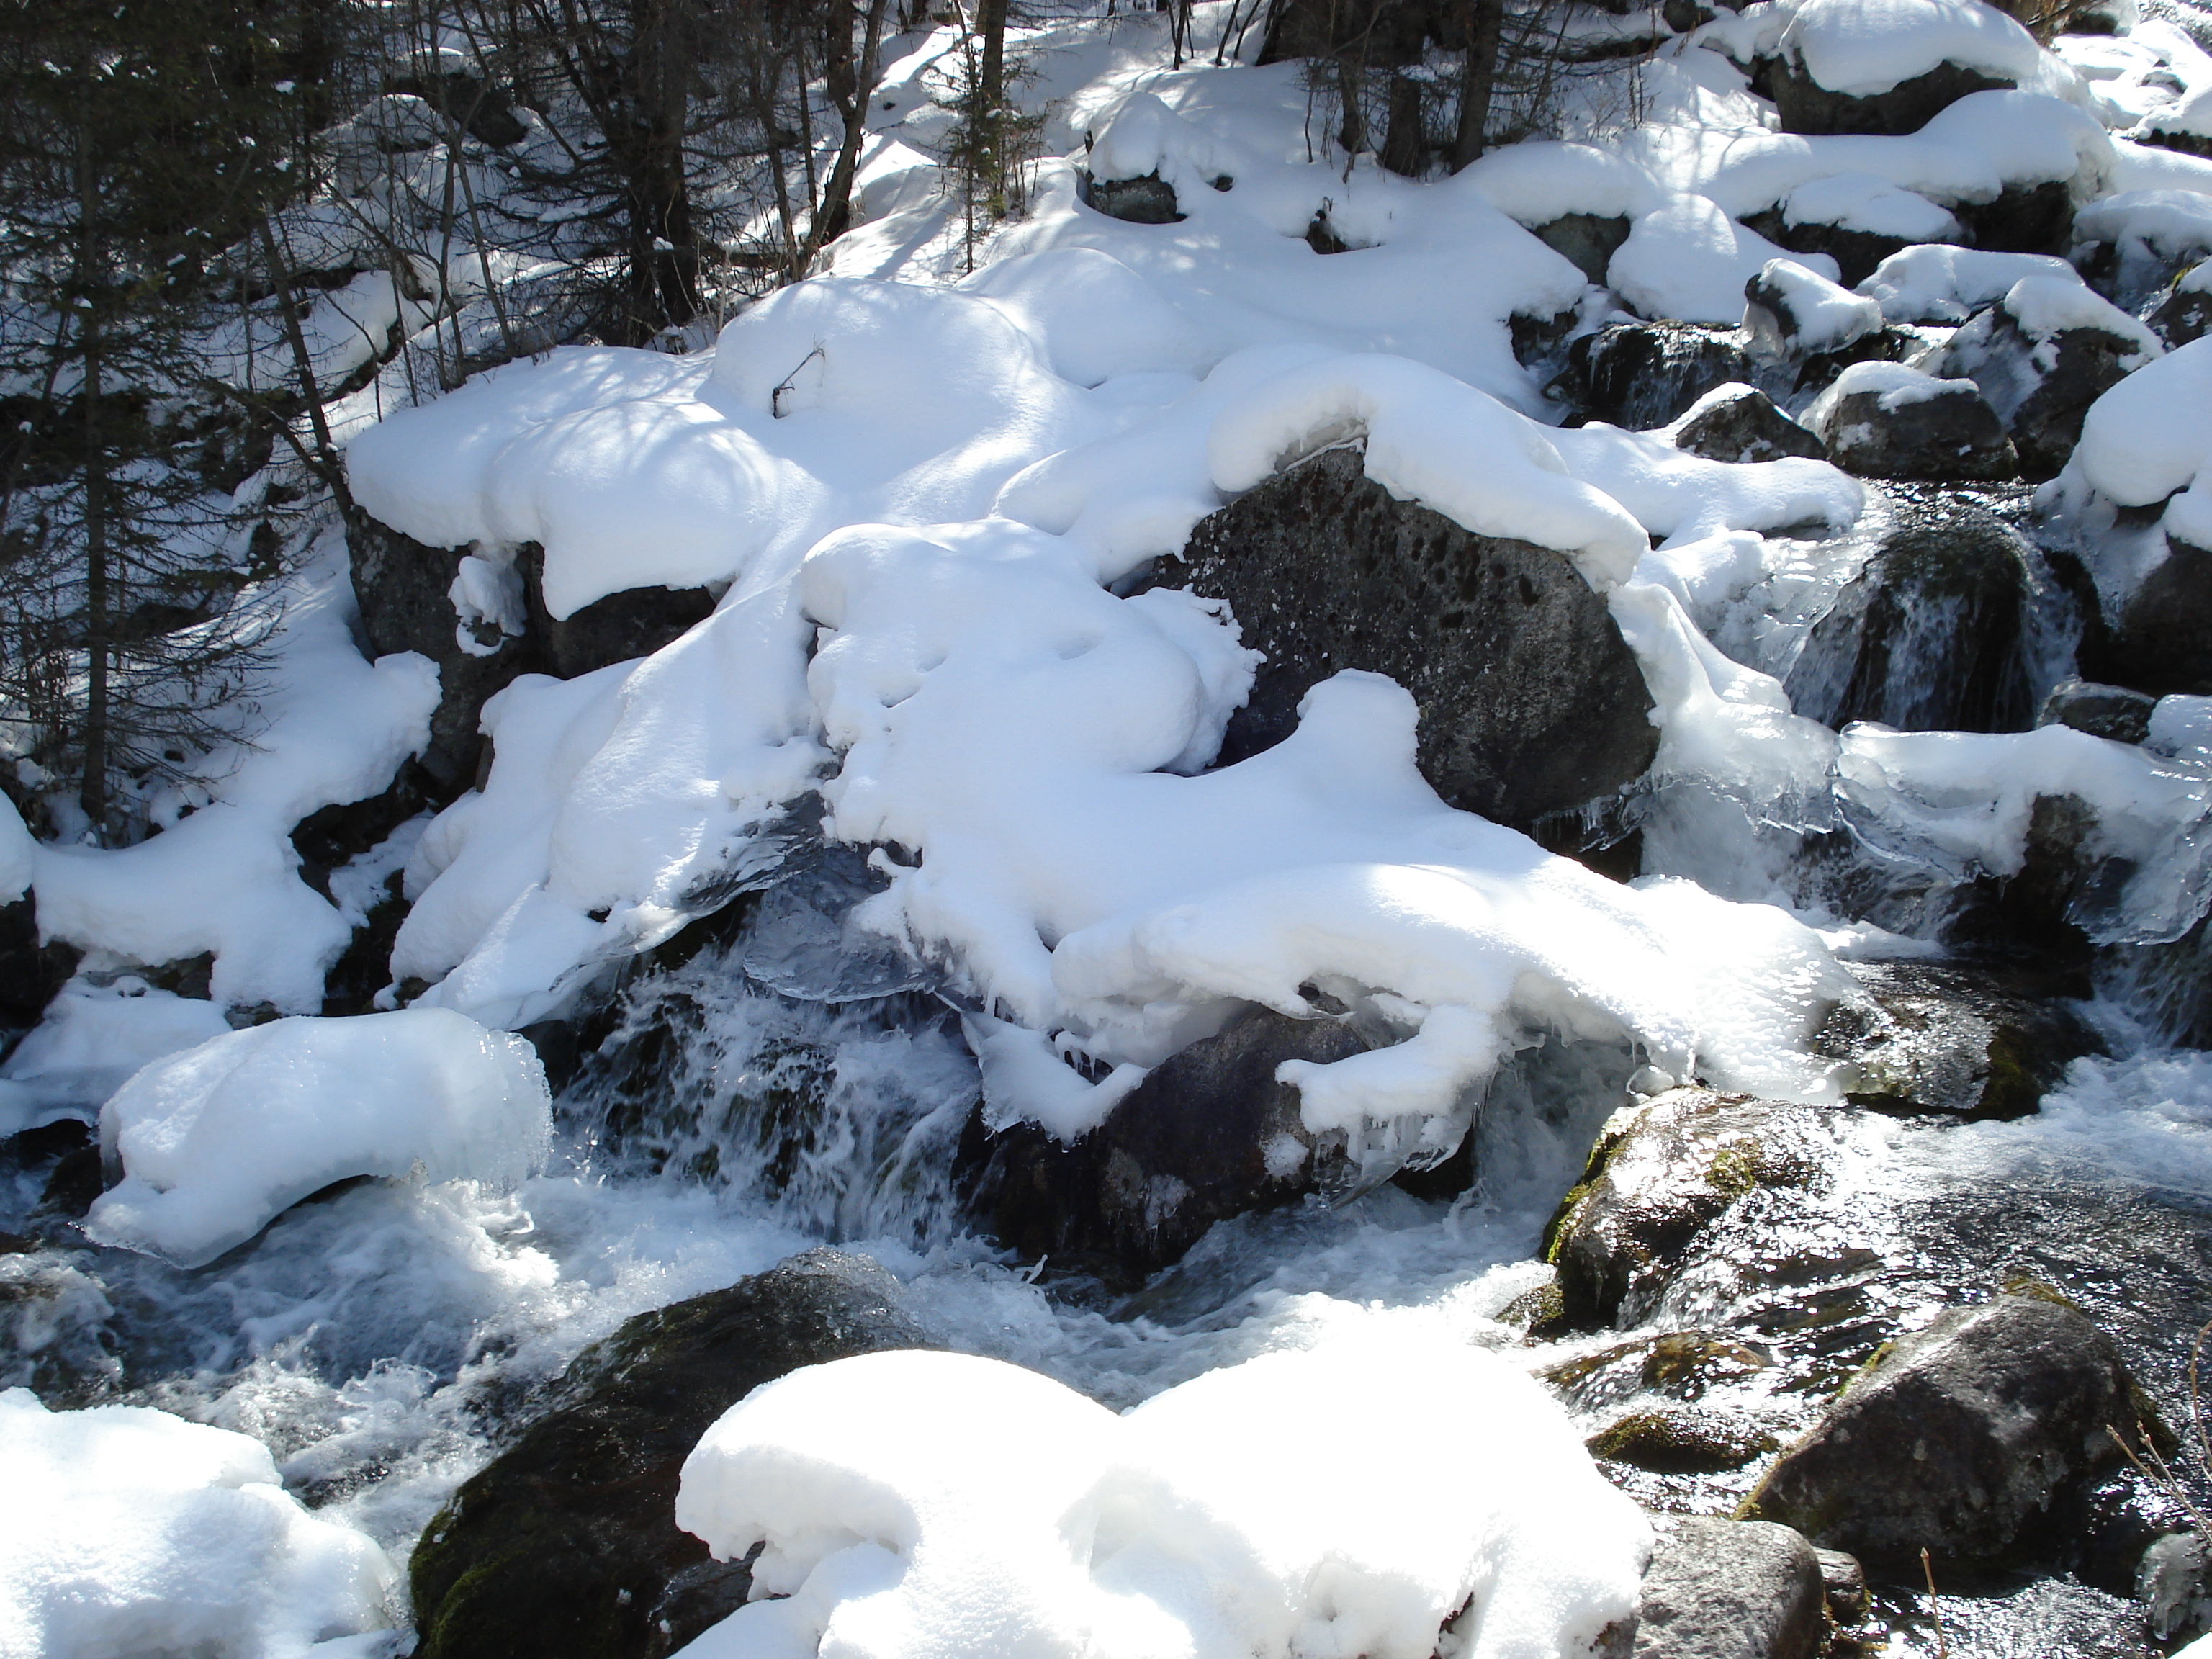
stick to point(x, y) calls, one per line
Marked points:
point(1676, 1442)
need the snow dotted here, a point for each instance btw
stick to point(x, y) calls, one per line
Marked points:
point(1690, 260)
point(1819, 315)
point(225, 880)
point(1866, 48)
point(18, 853)
point(1031, 1520)
point(216, 1141)
point(2045, 306)
point(2172, 223)
point(89, 1041)
point(129, 1531)
point(2150, 440)
point(1867, 202)
point(1893, 385)
point(1939, 283)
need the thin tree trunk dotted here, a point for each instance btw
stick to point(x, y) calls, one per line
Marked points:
point(835, 212)
point(1478, 82)
point(92, 789)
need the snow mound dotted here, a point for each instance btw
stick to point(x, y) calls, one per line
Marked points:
point(1209, 1521)
point(1689, 260)
point(1864, 48)
point(89, 1041)
point(130, 1531)
point(1940, 283)
point(2150, 440)
point(218, 1141)
point(1827, 317)
point(1869, 203)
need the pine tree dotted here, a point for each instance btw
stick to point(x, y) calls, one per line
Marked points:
point(129, 156)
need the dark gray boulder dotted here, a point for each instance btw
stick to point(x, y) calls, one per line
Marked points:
point(1899, 424)
point(1948, 1037)
point(2041, 380)
point(1805, 106)
point(2162, 638)
point(1659, 1175)
point(1643, 375)
point(1209, 1134)
point(1530, 701)
point(615, 627)
point(1934, 635)
point(1682, 1440)
point(1742, 423)
point(404, 592)
point(1589, 239)
point(2111, 712)
point(1958, 1437)
point(1150, 200)
point(566, 1542)
point(1731, 1589)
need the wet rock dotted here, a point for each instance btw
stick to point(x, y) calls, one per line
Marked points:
point(2162, 638)
point(2186, 312)
point(1643, 375)
point(1957, 1439)
point(1843, 1588)
point(1805, 106)
point(1150, 200)
point(30, 972)
point(1896, 423)
point(2174, 1584)
point(1676, 1440)
point(1660, 1173)
point(1934, 635)
point(1209, 1134)
point(2111, 712)
point(2021, 219)
point(1731, 1589)
point(566, 1542)
point(1589, 239)
point(1742, 423)
point(1939, 1037)
point(617, 628)
point(2041, 379)
point(1530, 701)
point(404, 589)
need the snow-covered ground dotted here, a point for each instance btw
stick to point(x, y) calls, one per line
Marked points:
point(921, 494)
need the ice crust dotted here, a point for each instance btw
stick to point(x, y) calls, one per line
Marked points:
point(216, 1141)
point(130, 1531)
point(1034, 1520)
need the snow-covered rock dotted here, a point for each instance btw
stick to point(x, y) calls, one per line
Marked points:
point(215, 1142)
point(128, 1531)
point(1029, 1519)
point(1883, 419)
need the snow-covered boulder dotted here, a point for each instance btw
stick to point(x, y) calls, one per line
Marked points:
point(1212, 1133)
point(129, 1531)
point(1739, 424)
point(215, 1142)
point(1883, 419)
point(1530, 701)
point(1791, 311)
point(2185, 313)
point(1856, 219)
point(1025, 1518)
point(2041, 355)
point(1942, 283)
point(1888, 66)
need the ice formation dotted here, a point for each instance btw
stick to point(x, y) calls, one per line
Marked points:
point(1030, 1519)
point(216, 1141)
point(128, 1531)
